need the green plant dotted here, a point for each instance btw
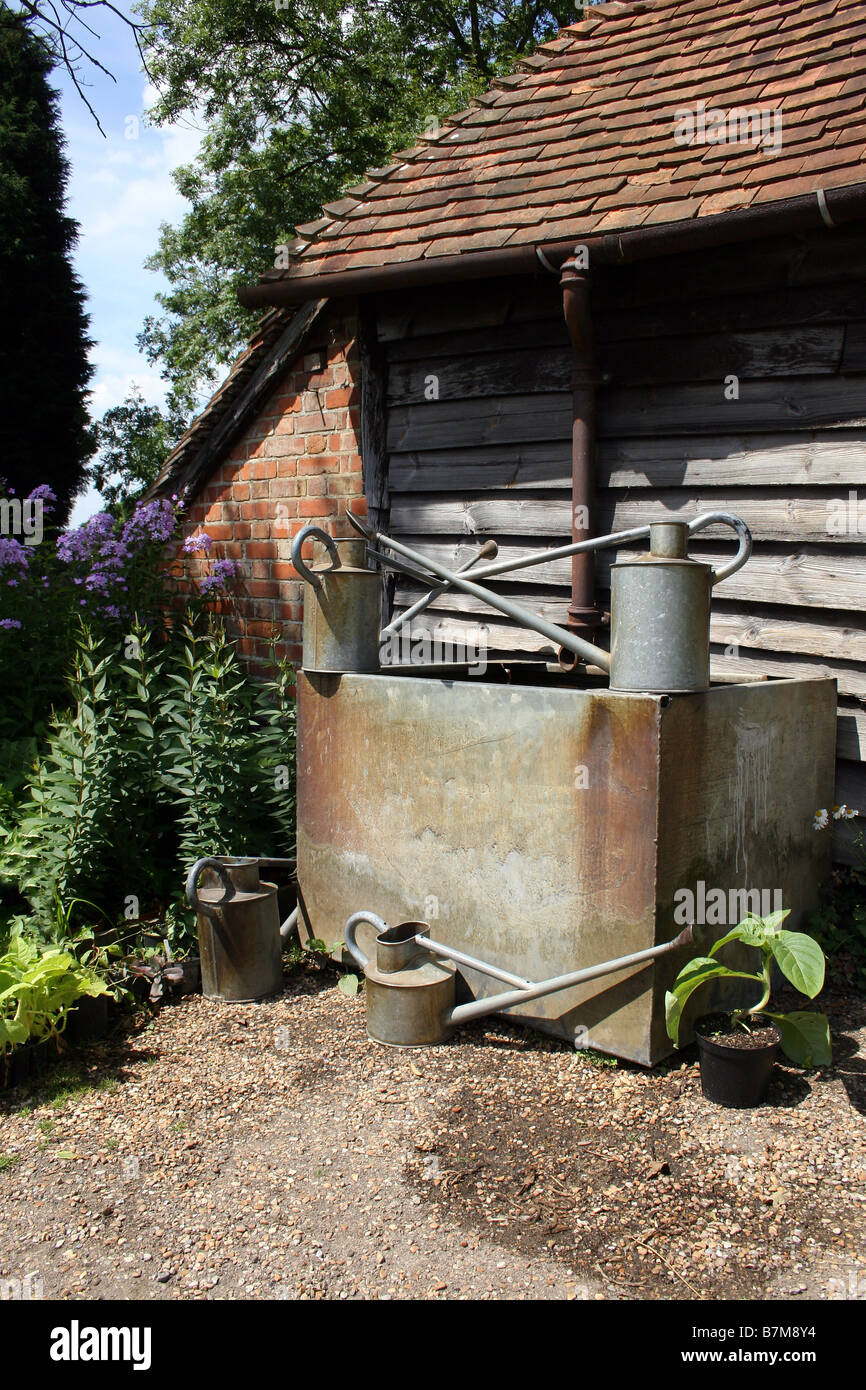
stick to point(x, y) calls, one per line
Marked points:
point(805, 1036)
point(37, 989)
point(169, 752)
point(840, 922)
point(67, 829)
point(348, 983)
point(224, 741)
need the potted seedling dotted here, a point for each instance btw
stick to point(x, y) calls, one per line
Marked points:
point(738, 1049)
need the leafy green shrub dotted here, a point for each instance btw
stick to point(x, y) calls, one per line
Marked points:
point(225, 739)
point(169, 751)
point(37, 989)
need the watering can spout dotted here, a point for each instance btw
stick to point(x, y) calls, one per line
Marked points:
point(411, 984)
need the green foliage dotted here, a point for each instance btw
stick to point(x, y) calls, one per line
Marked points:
point(840, 922)
point(133, 441)
point(168, 752)
point(805, 1036)
point(44, 369)
point(301, 98)
point(222, 744)
point(67, 826)
point(37, 989)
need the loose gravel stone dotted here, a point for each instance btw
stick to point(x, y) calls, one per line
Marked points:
point(271, 1151)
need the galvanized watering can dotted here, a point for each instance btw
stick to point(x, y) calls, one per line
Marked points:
point(660, 602)
point(411, 985)
point(342, 617)
point(238, 928)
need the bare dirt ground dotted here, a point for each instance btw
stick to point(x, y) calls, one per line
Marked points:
point(272, 1151)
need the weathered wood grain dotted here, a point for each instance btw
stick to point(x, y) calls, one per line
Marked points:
point(851, 680)
point(800, 403)
point(374, 429)
point(761, 460)
point(727, 312)
point(693, 409)
point(782, 630)
point(822, 517)
point(500, 420)
point(513, 367)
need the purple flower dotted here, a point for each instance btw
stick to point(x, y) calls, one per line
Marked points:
point(9, 623)
point(12, 552)
point(221, 572)
point(43, 494)
point(202, 542)
point(87, 540)
point(151, 521)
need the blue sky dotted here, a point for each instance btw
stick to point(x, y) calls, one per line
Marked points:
point(119, 191)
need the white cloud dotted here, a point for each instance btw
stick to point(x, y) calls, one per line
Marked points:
point(111, 388)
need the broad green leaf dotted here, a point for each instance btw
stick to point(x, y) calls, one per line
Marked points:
point(773, 923)
point(800, 960)
point(348, 984)
point(805, 1038)
point(697, 972)
point(754, 931)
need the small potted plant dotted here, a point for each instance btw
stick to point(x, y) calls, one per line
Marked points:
point(738, 1049)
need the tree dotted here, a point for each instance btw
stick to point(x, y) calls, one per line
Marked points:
point(66, 28)
point(300, 98)
point(44, 369)
point(133, 441)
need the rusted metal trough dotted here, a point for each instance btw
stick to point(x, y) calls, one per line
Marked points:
point(544, 824)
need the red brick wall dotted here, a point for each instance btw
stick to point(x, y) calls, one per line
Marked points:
point(297, 462)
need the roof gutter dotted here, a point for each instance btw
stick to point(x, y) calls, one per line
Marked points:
point(803, 213)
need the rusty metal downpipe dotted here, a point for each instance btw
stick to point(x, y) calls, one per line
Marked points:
point(584, 616)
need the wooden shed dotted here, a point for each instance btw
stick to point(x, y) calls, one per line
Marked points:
point(628, 283)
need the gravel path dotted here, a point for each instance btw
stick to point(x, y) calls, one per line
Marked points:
point(272, 1151)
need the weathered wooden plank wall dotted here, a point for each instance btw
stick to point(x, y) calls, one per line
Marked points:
point(478, 443)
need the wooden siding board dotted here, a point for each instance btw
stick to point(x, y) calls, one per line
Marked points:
point(818, 517)
point(771, 461)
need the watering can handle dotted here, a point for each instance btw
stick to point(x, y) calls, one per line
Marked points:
point(300, 565)
point(744, 549)
point(208, 909)
point(351, 927)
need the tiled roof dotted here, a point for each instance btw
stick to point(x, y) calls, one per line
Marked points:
point(583, 139)
point(279, 337)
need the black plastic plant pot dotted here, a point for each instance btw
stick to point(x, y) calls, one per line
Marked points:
point(733, 1075)
point(190, 982)
point(88, 1019)
point(29, 1060)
